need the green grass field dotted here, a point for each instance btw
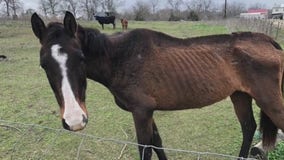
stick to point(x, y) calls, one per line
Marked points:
point(30, 125)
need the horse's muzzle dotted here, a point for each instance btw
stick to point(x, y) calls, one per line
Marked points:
point(75, 126)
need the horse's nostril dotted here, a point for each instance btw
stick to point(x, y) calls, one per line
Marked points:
point(85, 119)
point(65, 125)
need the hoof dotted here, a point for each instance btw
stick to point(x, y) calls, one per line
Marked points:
point(258, 153)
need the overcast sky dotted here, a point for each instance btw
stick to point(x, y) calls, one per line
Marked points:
point(129, 3)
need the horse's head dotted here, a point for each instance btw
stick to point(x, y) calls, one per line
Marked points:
point(63, 61)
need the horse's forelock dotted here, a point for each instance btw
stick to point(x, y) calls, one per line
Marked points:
point(55, 25)
point(53, 29)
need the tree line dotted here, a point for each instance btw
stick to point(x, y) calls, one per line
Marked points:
point(172, 10)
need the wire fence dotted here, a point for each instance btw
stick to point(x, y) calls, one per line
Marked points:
point(270, 27)
point(33, 144)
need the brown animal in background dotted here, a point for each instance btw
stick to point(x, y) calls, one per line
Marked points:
point(124, 23)
point(147, 70)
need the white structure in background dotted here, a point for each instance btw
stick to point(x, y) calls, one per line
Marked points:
point(278, 12)
point(255, 14)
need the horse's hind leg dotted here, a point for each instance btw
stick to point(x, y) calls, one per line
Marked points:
point(272, 114)
point(274, 109)
point(243, 108)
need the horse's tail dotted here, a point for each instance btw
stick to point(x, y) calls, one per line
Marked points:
point(269, 131)
point(267, 127)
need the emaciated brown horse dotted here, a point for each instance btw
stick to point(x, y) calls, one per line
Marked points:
point(147, 70)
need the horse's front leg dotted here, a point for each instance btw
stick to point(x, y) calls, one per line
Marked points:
point(157, 141)
point(144, 130)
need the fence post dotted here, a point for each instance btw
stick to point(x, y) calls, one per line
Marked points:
point(277, 30)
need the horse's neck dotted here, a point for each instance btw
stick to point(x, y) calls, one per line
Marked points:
point(106, 54)
point(98, 60)
point(99, 70)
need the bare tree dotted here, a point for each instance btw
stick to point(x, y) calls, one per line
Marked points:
point(207, 4)
point(175, 9)
point(85, 4)
point(141, 11)
point(12, 5)
point(50, 6)
point(43, 6)
point(175, 4)
point(30, 11)
point(71, 5)
point(53, 4)
point(89, 7)
point(108, 5)
point(235, 8)
point(7, 5)
point(15, 6)
point(163, 14)
point(225, 9)
point(201, 7)
point(154, 4)
point(193, 5)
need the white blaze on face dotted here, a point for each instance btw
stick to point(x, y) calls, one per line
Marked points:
point(73, 113)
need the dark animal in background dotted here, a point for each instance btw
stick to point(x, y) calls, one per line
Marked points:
point(124, 23)
point(106, 20)
point(147, 70)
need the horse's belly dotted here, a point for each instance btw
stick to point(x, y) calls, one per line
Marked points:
point(191, 97)
point(173, 92)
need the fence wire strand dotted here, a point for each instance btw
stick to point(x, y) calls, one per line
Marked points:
point(30, 127)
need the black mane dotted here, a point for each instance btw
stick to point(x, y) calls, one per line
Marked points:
point(127, 44)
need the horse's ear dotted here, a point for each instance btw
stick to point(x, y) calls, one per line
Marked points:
point(38, 26)
point(70, 24)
